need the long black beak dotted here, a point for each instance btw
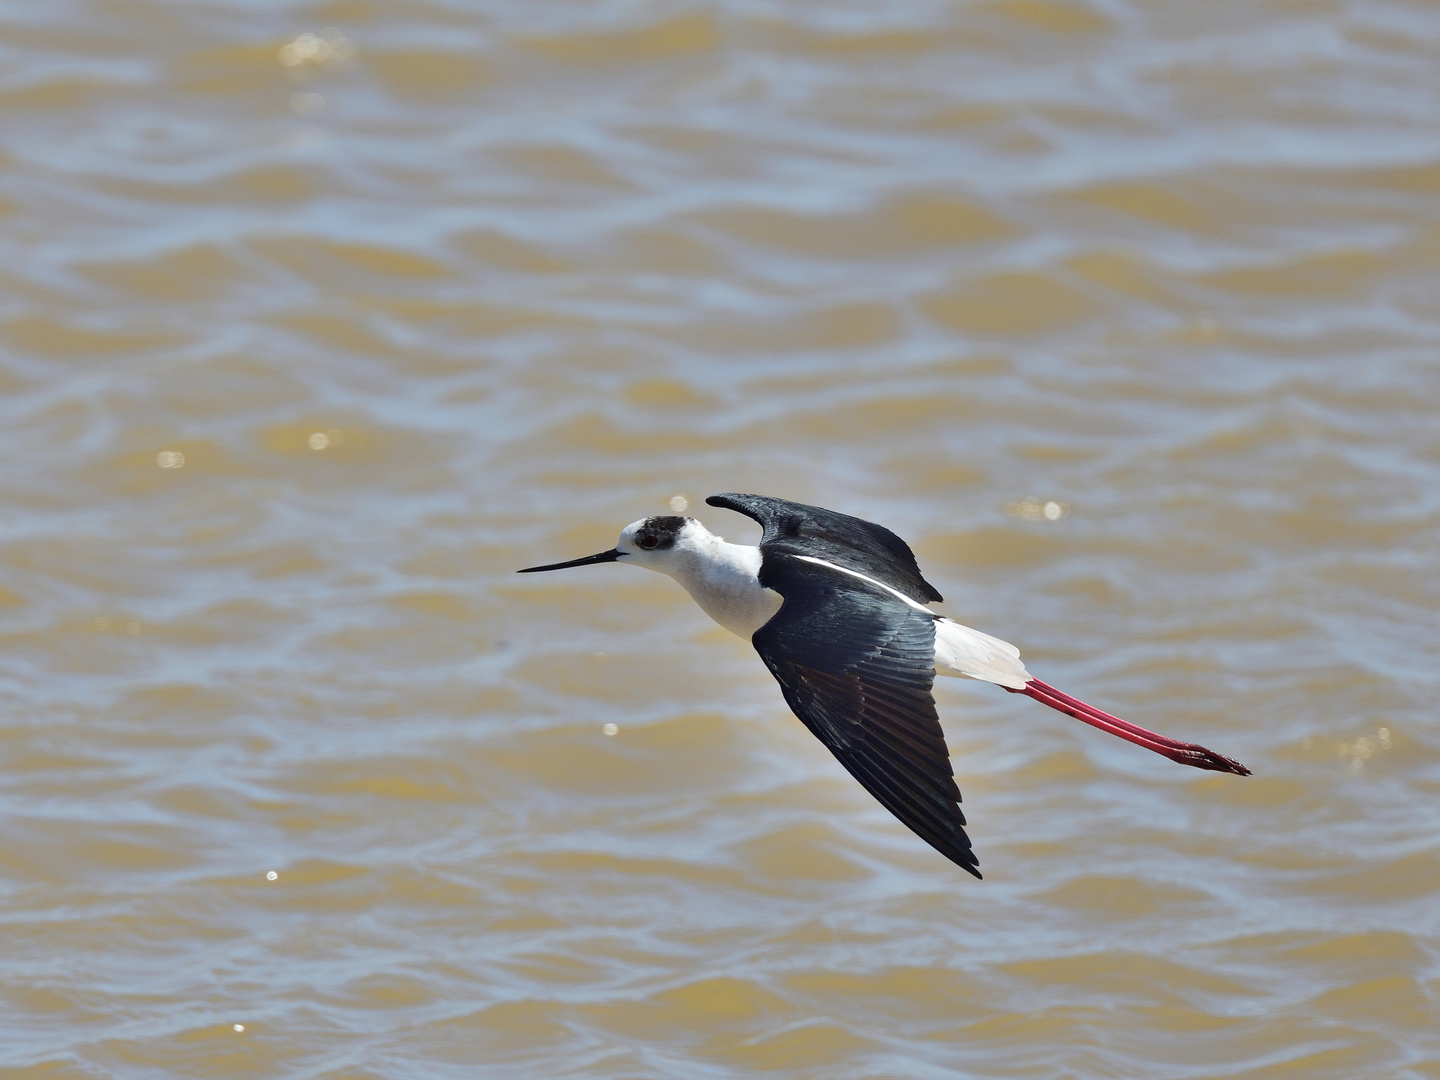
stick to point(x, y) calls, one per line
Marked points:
point(604, 556)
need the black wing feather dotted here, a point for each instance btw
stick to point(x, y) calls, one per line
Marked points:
point(852, 542)
point(856, 665)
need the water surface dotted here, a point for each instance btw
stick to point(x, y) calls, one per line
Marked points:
point(319, 319)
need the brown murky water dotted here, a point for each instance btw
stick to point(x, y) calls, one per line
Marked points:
point(319, 319)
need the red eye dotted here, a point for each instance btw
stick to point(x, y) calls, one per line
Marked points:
point(647, 541)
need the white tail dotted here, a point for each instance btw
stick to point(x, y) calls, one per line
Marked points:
point(964, 652)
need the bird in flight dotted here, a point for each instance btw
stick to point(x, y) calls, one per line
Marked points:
point(838, 610)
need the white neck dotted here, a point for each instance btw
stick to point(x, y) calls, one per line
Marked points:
point(723, 578)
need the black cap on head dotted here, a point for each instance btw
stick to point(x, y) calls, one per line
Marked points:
point(659, 533)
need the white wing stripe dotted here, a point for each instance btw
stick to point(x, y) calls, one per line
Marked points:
point(959, 650)
point(878, 584)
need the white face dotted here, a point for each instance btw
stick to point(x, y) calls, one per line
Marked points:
point(654, 542)
point(666, 544)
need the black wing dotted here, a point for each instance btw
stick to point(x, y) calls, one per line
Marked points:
point(856, 665)
point(846, 541)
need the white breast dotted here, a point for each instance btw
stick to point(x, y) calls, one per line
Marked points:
point(724, 579)
point(727, 588)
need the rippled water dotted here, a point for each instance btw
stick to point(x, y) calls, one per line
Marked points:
point(319, 319)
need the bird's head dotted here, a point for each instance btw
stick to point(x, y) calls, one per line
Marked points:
point(656, 543)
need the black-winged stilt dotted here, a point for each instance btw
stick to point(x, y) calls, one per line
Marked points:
point(837, 609)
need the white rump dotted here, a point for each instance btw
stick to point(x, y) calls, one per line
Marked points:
point(964, 652)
